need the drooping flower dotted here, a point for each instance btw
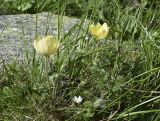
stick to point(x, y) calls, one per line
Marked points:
point(77, 99)
point(99, 31)
point(47, 45)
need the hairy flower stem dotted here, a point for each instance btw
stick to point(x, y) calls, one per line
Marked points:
point(52, 89)
point(54, 93)
point(46, 68)
point(97, 47)
point(47, 79)
point(96, 59)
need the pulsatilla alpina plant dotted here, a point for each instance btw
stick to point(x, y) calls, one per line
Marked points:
point(99, 31)
point(47, 46)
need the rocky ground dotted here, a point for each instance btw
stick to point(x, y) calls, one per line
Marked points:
point(17, 29)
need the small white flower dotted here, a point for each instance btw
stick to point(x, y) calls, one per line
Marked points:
point(77, 99)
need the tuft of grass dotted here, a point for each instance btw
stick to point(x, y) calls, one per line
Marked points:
point(122, 71)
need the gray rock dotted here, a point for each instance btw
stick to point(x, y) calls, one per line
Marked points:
point(12, 28)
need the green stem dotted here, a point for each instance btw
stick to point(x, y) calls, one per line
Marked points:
point(52, 91)
point(46, 68)
point(97, 47)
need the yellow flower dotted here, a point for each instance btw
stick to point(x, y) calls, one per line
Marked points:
point(47, 45)
point(99, 31)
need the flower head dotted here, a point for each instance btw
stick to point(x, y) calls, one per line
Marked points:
point(99, 31)
point(77, 99)
point(47, 45)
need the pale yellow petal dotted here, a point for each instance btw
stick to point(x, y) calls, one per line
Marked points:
point(98, 25)
point(46, 45)
point(99, 31)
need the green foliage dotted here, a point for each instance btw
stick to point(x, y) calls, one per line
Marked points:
point(73, 7)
